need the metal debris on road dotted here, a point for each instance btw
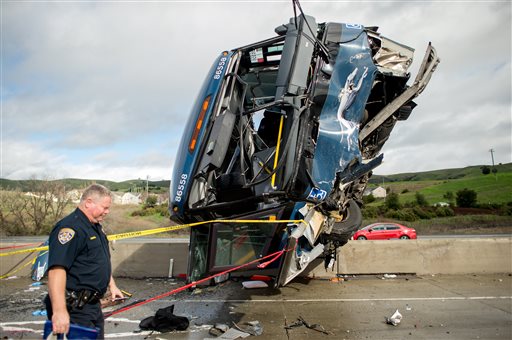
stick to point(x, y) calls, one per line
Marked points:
point(301, 322)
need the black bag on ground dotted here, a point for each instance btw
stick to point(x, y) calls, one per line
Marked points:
point(164, 321)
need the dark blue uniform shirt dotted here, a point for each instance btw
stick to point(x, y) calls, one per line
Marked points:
point(81, 247)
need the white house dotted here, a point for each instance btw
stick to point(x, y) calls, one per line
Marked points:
point(129, 198)
point(379, 192)
point(74, 195)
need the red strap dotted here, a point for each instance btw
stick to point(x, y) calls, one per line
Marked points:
point(20, 246)
point(274, 256)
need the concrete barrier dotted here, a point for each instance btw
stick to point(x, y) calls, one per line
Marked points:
point(436, 256)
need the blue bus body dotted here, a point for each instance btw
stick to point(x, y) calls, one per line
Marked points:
point(289, 128)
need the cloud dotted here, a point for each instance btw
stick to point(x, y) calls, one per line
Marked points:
point(92, 89)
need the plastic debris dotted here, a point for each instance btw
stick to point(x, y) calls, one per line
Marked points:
point(39, 312)
point(35, 284)
point(231, 334)
point(394, 319)
point(252, 327)
point(389, 276)
point(407, 307)
point(254, 284)
point(215, 332)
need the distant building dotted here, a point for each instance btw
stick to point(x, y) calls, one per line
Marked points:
point(117, 197)
point(74, 196)
point(378, 192)
point(129, 198)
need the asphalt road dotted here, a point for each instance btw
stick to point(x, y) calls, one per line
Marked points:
point(433, 307)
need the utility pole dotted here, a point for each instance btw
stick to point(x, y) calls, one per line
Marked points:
point(492, 158)
point(147, 186)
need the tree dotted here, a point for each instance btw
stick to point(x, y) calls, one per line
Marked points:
point(466, 198)
point(392, 201)
point(421, 200)
point(449, 196)
point(368, 199)
point(486, 170)
point(36, 211)
point(151, 201)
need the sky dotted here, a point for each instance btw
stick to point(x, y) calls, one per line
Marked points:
point(102, 89)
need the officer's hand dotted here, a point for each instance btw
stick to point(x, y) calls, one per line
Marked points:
point(116, 293)
point(60, 322)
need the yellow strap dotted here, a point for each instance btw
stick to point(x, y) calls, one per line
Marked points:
point(133, 234)
point(276, 157)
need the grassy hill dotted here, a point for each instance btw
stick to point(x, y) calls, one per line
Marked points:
point(443, 174)
point(134, 185)
point(434, 184)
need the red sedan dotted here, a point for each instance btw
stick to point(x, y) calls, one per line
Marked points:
point(385, 231)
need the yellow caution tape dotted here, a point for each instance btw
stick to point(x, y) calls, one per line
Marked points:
point(20, 268)
point(29, 250)
point(133, 234)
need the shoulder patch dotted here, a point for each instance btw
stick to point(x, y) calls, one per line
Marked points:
point(65, 235)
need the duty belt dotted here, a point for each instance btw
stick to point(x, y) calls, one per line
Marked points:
point(79, 298)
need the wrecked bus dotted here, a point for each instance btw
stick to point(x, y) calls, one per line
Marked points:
point(286, 131)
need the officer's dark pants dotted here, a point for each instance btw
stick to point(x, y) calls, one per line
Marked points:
point(90, 315)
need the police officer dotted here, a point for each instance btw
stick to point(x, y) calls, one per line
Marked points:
point(79, 265)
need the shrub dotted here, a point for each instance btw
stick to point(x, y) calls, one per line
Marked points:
point(449, 196)
point(370, 212)
point(422, 213)
point(151, 201)
point(392, 214)
point(444, 211)
point(421, 200)
point(408, 215)
point(466, 198)
point(505, 210)
point(368, 199)
point(392, 201)
point(405, 191)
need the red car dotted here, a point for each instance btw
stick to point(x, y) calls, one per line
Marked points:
point(385, 231)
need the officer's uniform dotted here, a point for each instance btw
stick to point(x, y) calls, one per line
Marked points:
point(81, 247)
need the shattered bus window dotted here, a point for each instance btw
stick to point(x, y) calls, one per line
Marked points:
point(239, 244)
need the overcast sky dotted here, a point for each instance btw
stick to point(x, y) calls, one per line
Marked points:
point(101, 90)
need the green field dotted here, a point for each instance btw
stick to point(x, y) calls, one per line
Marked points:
point(434, 184)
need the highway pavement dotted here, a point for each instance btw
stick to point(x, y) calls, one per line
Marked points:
point(354, 307)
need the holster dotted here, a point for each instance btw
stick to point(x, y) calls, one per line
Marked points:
point(78, 299)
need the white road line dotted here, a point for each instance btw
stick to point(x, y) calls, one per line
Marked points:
point(128, 334)
point(2, 324)
point(21, 329)
point(450, 298)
